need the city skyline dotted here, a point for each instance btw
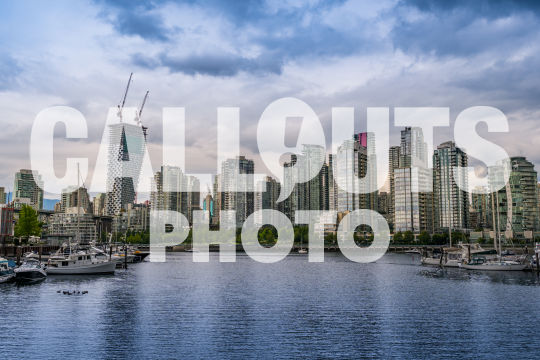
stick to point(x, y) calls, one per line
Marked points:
point(418, 200)
point(393, 67)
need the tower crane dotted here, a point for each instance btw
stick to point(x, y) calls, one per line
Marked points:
point(139, 113)
point(121, 105)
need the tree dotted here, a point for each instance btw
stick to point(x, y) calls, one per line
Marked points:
point(330, 239)
point(398, 237)
point(424, 238)
point(439, 239)
point(28, 224)
point(408, 236)
point(301, 234)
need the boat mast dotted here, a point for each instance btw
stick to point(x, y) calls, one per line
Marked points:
point(78, 205)
point(493, 216)
point(450, 215)
point(498, 224)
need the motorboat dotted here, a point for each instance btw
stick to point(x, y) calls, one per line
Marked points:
point(81, 259)
point(6, 270)
point(30, 271)
point(80, 262)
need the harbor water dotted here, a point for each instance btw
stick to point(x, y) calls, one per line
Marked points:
point(335, 309)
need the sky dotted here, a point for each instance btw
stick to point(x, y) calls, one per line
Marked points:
point(202, 55)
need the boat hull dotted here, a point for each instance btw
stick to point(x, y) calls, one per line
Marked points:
point(437, 262)
point(6, 277)
point(87, 269)
point(30, 276)
point(495, 267)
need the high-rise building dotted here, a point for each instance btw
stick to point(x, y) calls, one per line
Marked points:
point(80, 227)
point(393, 164)
point(136, 218)
point(2, 195)
point(382, 202)
point(355, 160)
point(367, 167)
point(99, 205)
point(214, 220)
point(208, 206)
point(332, 185)
point(517, 206)
point(266, 197)
point(290, 179)
point(28, 189)
point(481, 204)
point(176, 191)
point(6, 224)
point(70, 198)
point(413, 206)
point(127, 143)
point(451, 203)
point(310, 195)
point(237, 187)
point(306, 195)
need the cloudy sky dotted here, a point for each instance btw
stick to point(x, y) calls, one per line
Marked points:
point(206, 54)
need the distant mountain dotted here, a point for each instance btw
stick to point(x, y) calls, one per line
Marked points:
point(48, 204)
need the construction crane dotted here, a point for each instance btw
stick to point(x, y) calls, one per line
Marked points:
point(138, 114)
point(121, 105)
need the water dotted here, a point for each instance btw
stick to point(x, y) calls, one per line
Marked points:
point(335, 309)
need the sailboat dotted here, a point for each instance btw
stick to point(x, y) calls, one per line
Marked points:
point(453, 257)
point(498, 264)
point(302, 250)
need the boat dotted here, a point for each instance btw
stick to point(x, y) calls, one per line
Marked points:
point(499, 263)
point(481, 263)
point(6, 270)
point(80, 262)
point(80, 259)
point(302, 250)
point(30, 271)
point(453, 257)
point(450, 257)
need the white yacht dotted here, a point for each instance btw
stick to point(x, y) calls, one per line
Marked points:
point(30, 271)
point(453, 257)
point(79, 260)
point(79, 263)
point(6, 270)
point(480, 263)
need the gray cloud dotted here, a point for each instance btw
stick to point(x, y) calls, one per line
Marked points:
point(135, 18)
point(464, 28)
point(224, 64)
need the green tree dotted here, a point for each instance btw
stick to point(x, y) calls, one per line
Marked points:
point(398, 237)
point(330, 239)
point(301, 234)
point(408, 237)
point(28, 224)
point(439, 239)
point(424, 238)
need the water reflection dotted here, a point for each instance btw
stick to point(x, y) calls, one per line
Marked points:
point(335, 309)
point(503, 277)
